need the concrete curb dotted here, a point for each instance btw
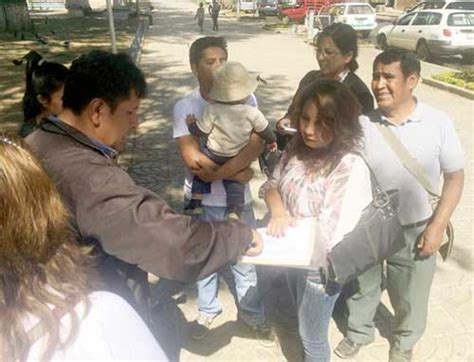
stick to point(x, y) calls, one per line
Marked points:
point(449, 87)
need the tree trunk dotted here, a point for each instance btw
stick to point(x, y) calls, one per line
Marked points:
point(77, 4)
point(14, 16)
point(78, 7)
point(118, 3)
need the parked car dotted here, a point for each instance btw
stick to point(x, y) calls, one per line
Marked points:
point(268, 7)
point(298, 12)
point(248, 6)
point(361, 16)
point(431, 33)
point(453, 4)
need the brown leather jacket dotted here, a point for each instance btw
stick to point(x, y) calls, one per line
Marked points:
point(130, 222)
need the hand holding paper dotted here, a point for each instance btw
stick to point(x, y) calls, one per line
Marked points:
point(278, 225)
point(256, 246)
point(294, 249)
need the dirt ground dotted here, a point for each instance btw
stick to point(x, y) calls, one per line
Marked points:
point(83, 33)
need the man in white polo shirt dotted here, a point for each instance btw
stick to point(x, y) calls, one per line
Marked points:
point(430, 137)
point(205, 55)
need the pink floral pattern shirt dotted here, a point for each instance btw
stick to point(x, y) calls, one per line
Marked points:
point(336, 200)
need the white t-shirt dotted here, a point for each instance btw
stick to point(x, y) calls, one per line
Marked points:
point(230, 126)
point(111, 330)
point(194, 103)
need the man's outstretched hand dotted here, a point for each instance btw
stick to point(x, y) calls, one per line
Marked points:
point(256, 246)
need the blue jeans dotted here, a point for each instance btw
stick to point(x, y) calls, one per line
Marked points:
point(315, 302)
point(250, 304)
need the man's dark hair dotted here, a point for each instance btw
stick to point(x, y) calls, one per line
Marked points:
point(201, 44)
point(409, 63)
point(345, 38)
point(103, 75)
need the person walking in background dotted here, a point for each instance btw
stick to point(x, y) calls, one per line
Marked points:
point(430, 138)
point(336, 53)
point(205, 56)
point(200, 17)
point(214, 10)
point(48, 308)
point(44, 90)
point(320, 175)
point(227, 125)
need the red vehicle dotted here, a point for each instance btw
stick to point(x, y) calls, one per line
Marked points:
point(298, 12)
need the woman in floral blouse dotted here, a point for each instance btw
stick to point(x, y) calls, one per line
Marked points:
point(320, 175)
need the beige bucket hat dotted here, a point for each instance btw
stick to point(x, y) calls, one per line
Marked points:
point(232, 82)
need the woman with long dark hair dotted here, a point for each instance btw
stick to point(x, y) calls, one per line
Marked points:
point(47, 309)
point(44, 90)
point(320, 175)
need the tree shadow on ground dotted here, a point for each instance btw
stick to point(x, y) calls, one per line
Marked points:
point(83, 33)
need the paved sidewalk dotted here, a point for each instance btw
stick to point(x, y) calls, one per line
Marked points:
point(282, 59)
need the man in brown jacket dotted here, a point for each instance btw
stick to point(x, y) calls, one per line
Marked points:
point(134, 229)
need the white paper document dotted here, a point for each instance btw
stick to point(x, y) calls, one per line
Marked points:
point(295, 249)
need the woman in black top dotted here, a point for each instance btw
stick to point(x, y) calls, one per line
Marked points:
point(336, 52)
point(44, 90)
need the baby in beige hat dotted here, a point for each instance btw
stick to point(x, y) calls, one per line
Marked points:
point(228, 124)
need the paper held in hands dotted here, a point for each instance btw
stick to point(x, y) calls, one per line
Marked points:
point(295, 249)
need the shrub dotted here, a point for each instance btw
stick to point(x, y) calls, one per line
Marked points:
point(463, 79)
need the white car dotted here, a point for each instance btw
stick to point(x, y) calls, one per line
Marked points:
point(452, 4)
point(431, 32)
point(248, 6)
point(361, 16)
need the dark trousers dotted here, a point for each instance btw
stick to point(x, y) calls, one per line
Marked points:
point(215, 26)
point(235, 191)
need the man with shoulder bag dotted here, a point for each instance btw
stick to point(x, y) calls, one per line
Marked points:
point(408, 145)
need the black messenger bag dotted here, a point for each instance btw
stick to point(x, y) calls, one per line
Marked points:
point(377, 235)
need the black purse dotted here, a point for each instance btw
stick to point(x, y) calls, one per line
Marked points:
point(377, 235)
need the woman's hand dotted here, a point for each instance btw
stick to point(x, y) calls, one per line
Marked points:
point(279, 223)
